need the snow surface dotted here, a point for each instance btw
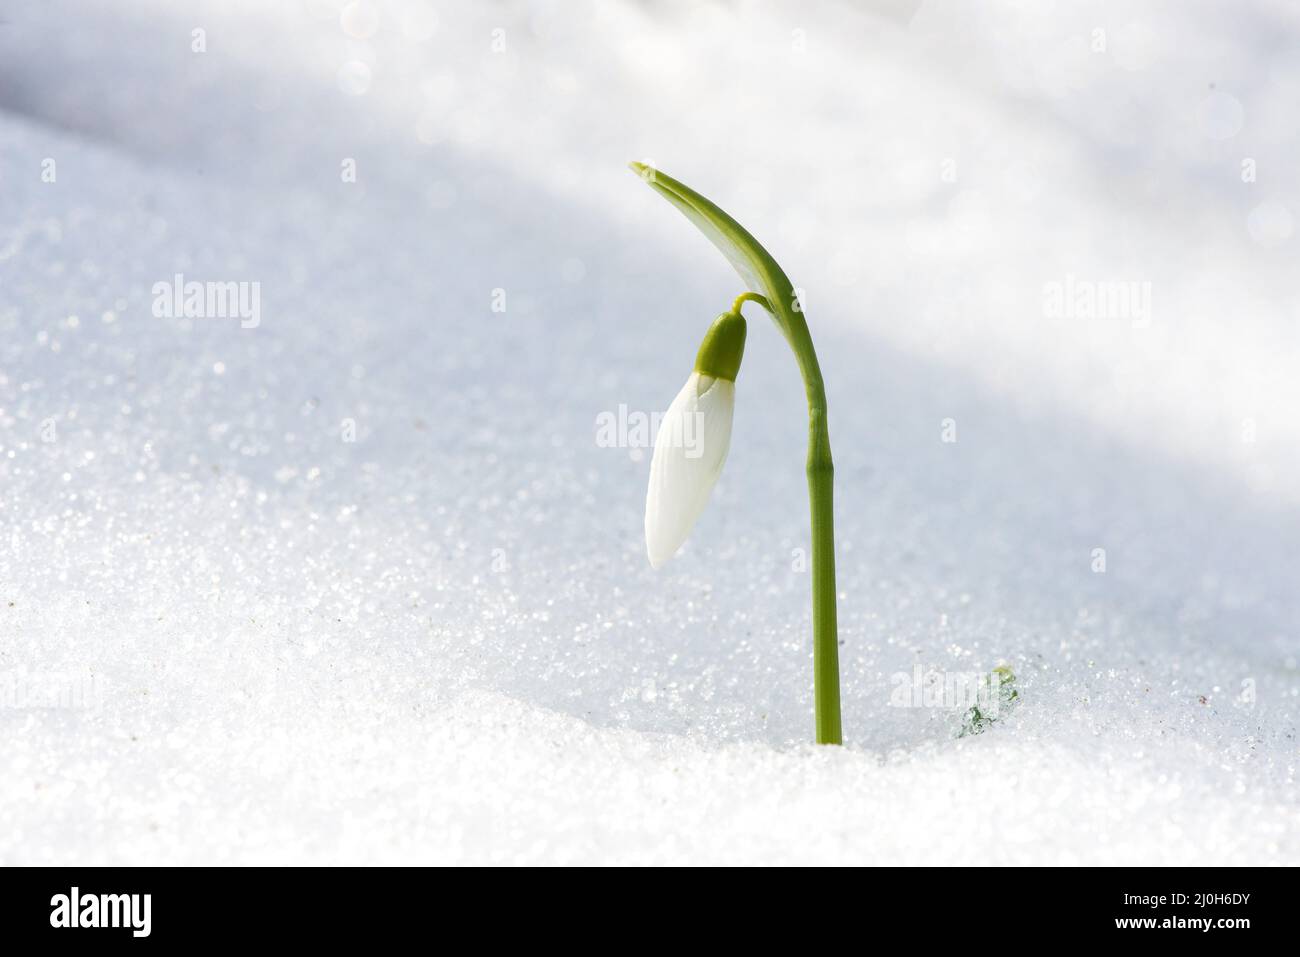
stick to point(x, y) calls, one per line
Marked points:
point(442, 642)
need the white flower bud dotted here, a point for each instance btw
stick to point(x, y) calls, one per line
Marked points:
point(690, 450)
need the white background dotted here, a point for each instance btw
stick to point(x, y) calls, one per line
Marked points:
point(442, 642)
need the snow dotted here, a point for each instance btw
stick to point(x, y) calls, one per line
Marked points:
point(358, 584)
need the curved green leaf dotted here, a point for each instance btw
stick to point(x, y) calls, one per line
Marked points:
point(757, 269)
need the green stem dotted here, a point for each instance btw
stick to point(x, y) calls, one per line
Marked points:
point(745, 297)
point(821, 500)
point(826, 651)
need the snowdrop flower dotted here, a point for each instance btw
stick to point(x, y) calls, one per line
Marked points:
point(683, 472)
point(693, 440)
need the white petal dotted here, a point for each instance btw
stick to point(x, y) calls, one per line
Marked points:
point(689, 452)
